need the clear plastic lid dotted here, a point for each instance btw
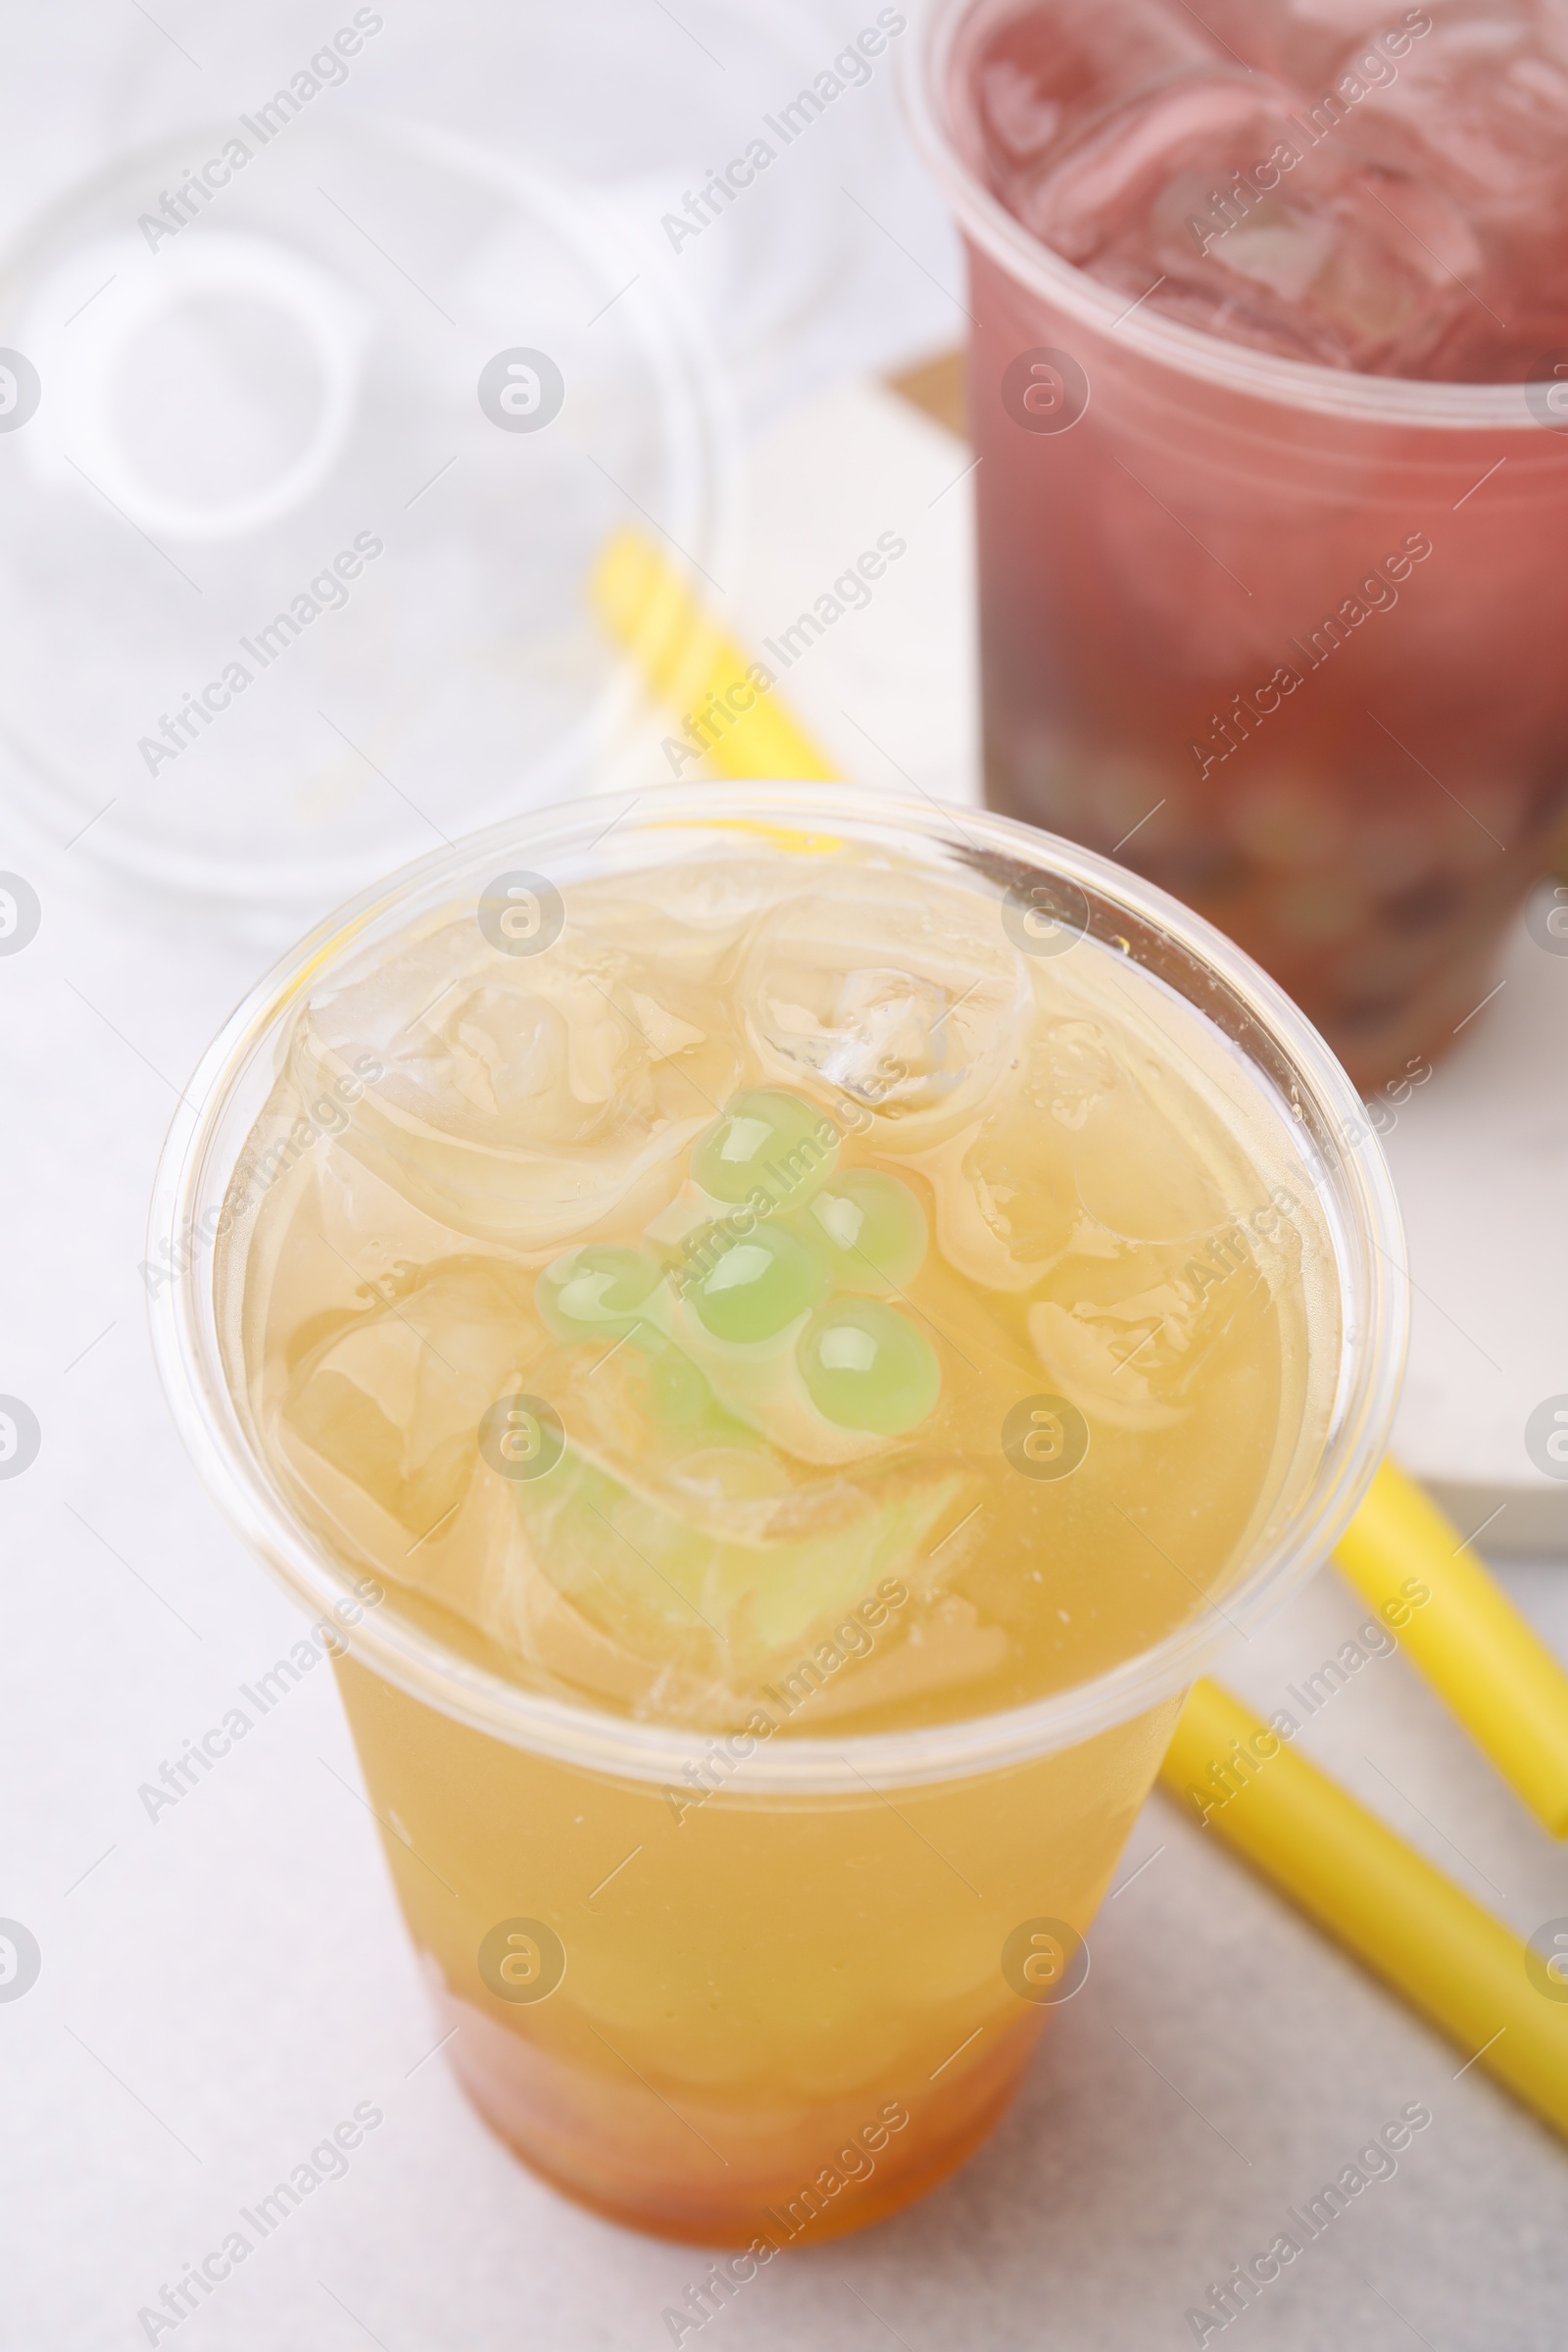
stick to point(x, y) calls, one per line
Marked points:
point(310, 433)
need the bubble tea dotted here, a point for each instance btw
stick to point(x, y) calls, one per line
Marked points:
point(781, 1316)
point(1270, 383)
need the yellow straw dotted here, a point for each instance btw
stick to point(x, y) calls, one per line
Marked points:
point(728, 713)
point(1508, 1690)
point(1452, 1960)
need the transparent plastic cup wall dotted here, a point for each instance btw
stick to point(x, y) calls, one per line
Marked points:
point(616, 2044)
point(1301, 629)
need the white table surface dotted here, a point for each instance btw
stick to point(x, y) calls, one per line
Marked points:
point(219, 1988)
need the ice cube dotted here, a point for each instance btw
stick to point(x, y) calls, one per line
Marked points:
point(524, 1096)
point(1045, 68)
point(1019, 114)
point(1480, 110)
point(1281, 248)
point(1127, 1332)
point(910, 1014)
point(381, 1414)
point(1479, 105)
point(883, 1021)
point(1005, 1211)
point(1101, 183)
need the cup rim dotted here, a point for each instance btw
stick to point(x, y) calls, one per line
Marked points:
point(1368, 1241)
point(1397, 400)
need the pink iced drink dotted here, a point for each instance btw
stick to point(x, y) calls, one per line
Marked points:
point(1384, 193)
point(1277, 629)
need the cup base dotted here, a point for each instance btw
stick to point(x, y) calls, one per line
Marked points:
point(529, 2100)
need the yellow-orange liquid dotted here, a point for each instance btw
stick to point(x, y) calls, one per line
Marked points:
point(730, 2014)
